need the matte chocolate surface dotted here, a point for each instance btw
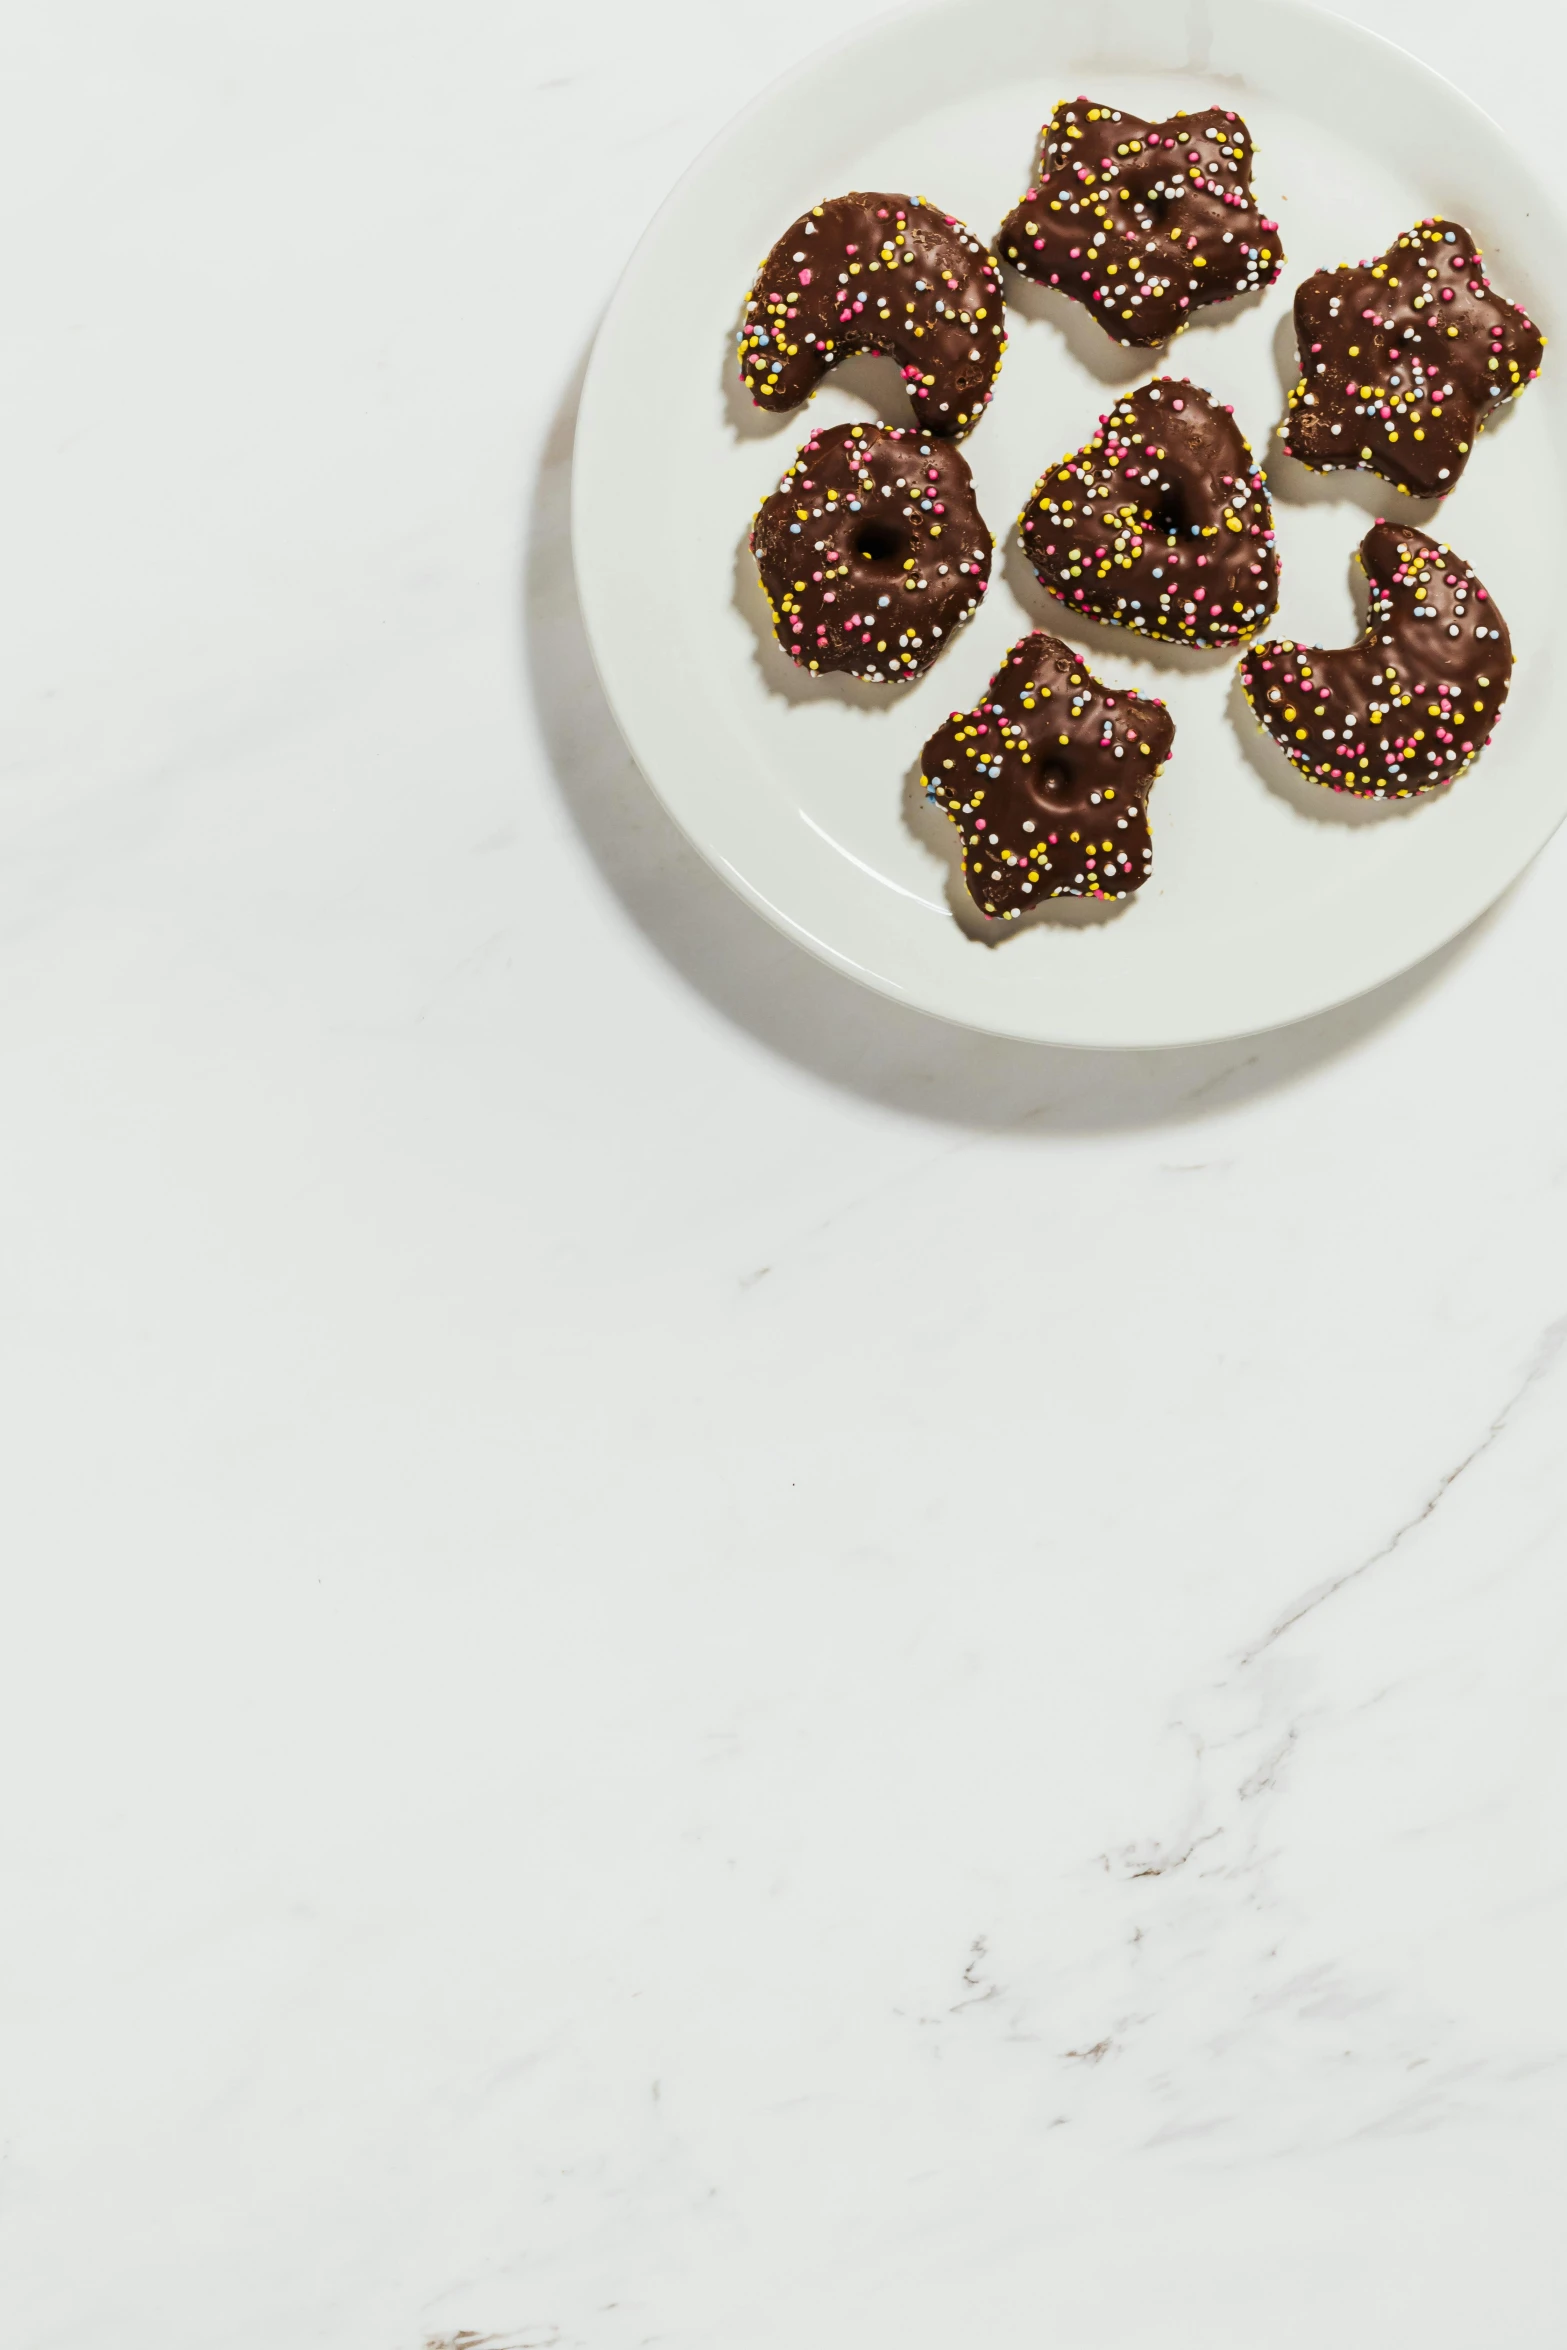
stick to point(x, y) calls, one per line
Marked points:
point(871, 551)
point(878, 273)
point(1144, 223)
point(1047, 781)
point(1161, 523)
point(1402, 359)
point(1411, 705)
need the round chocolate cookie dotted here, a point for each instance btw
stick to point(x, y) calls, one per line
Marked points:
point(1047, 782)
point(1144, 223)
point(871, 551)
point(878, 273)
point(1160, 523)
point(1410, 706)
point(1402, 359)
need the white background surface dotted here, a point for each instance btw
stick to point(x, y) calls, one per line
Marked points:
point(685, 1660)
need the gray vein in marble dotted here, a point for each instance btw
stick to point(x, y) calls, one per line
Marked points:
point(1220, 1077)
point(1160, 1867)
point(1198, 1970)
point(1545, 1356)
point(530, 2338)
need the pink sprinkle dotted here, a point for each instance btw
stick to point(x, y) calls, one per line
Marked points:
point(805, 277)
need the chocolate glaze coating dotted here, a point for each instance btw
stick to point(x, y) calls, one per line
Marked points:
point(871, 551)
point(878, 273)
point(1160, 523)
point(1144, 223)
point(1411, 705)
point(1047, 781)
point(1401, 360)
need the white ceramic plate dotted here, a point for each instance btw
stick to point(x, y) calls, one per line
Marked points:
point(1270, 898)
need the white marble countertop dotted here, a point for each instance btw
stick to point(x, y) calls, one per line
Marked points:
point(687, 1660)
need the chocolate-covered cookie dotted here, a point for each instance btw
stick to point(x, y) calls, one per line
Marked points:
point(1047, 781)
point(1403, 358)
point(871, 551)
point(1144, 223)
point(1160, 523)
point(1407, 708)
point(878, 273)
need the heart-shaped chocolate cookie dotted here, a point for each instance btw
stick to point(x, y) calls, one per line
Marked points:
point(1047, 781)
point(1414, 702)
point(1160, 523)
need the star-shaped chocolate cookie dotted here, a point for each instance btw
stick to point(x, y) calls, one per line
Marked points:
point(1414, 702)
point(1047, 782)
point(1403, 358)
point(1144, 223)
point(1160, 523)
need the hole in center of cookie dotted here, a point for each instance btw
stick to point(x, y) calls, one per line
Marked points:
point(1053, 788)
point(1169, 515)
point(878, 542)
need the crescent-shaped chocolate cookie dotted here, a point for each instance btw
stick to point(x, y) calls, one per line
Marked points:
point(1047, 781)
point(1403, 358)
point(871, 551)
point(1160, 523)
point(1411, 705)
point(1144, 223)
point(878, 273)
